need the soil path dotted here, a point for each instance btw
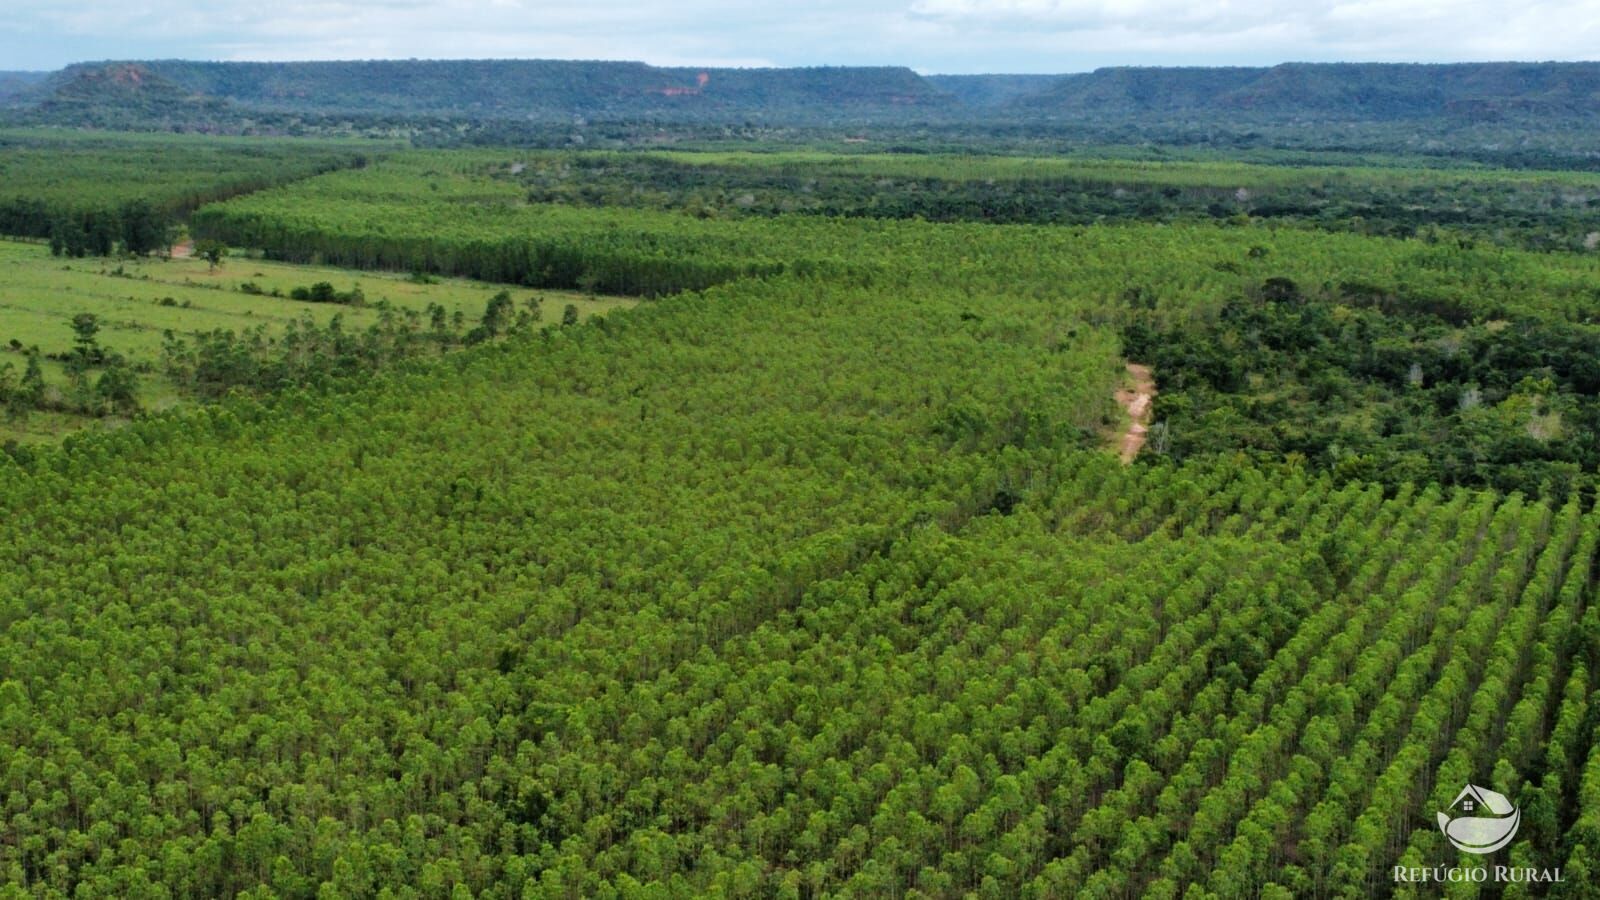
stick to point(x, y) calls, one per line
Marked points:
point(1136, 402)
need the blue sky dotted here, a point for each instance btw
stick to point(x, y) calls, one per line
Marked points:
point(928, 35)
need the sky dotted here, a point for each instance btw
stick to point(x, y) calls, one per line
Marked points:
point(931, 36)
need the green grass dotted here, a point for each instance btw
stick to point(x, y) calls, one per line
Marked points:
point(138, 299)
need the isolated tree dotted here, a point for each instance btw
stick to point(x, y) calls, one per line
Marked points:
point(211, 251)
point(85, 327)
point(1280, 290)
point(569, 316)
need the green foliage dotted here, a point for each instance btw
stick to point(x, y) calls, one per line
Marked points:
point(774, 477)
point(490, 89)
point(31, 388)
point(1541, 210)
point(213, 252)
point(811, 581)
point(84, 328)
point(145, 227)
point(1383, 389)
point(118, 387)
point(325, 292)
point(89, 193)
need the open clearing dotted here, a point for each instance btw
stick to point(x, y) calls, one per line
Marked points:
point(137, 300)
point(39, 295)
point(1135, 401)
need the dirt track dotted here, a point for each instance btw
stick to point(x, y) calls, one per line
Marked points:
point(1136, 402)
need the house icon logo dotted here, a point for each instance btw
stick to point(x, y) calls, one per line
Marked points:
point(1480, 820)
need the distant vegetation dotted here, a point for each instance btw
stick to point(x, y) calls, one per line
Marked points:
point(17, 88)
point(485, 89)
point(1517, 114)
point(1545, 92)
point(1537, 210)
point(90, 194)
point(616, 90)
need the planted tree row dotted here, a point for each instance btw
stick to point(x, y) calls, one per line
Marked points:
point(92, 194)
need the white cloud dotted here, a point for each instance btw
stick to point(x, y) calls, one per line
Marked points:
point(1294, 29)
point(931, 35)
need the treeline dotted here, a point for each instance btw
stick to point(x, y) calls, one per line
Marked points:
point(469, 212)
point(596, 262)
point(137, 227)
point(1552, 212)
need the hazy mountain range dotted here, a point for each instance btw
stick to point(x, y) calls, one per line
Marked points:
point(1481, 107)
point(544, 88)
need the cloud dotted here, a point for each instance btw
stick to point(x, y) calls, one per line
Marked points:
point(1282, 30)
point(930, 35)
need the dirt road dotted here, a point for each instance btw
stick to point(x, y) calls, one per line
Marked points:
point(1135, 401)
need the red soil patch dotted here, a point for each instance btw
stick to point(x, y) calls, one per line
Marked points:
point(1135, 401)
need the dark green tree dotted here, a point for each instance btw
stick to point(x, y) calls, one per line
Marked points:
point(211, 251)
point(497, 314)
point(118, 386)
point(31, 389)
point(145, 227)
point(86, 346)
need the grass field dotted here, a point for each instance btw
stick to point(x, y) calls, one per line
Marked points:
point(138, 299)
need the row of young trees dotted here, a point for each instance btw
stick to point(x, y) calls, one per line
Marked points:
point(88, 193)
point(1135, 681)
